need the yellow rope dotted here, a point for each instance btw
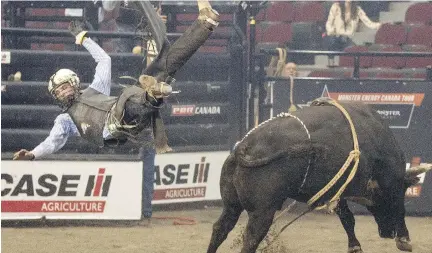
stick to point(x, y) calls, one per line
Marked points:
point(292, 107)
point(354, 155)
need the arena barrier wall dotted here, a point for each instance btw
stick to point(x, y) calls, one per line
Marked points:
point(71, 190)
point(405, 105)
point(188, 177)
point(105, 190)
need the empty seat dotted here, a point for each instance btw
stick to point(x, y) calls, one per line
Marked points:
point(391, 34)
point(186, 16)
point(277, 11)
point(273, 32)
point(419, 13)
point(420, 35)
point(367, 73)
point(327, 73)
point(386, 61)
point(419, 75)
point(348, 61)
point(306, 36)
point(363, 73)
point(309, 12)
point(387, 74)
point(417, 62)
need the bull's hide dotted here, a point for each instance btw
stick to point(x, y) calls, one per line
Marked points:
point(284, 140)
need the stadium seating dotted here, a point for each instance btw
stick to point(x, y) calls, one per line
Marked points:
point(309, 12)
point(277, 12)
point(389, 74)
point(273, 32)
point(420, 35)
point(391, 34)
point(417, 62)
point(348, 61)
point(384, 61)
point(419, 13)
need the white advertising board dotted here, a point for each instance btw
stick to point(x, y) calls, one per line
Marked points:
point(5, 57)
point(71, 190)
point(188, 177)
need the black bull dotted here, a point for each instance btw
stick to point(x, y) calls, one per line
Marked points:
point(277, 160)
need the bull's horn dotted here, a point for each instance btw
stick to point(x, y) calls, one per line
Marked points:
point(417, 170)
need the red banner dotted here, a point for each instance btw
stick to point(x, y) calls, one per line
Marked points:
point(38, 206)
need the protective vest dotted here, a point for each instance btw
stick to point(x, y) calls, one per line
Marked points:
point(89, 113)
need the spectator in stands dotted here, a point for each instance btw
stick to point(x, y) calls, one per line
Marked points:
point(290, 69)
point(111, 121)
point(342, 23)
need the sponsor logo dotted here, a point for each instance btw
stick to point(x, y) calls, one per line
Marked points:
point(396, 108)
point(415, 190)
point(182, 110)
point(50, 185)
point(389, 114)
point(190, 110)
point(181, 175)
point(84, 127)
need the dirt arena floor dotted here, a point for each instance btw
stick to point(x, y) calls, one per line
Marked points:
point(315, 232)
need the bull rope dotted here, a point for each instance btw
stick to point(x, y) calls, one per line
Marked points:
point(353, 155)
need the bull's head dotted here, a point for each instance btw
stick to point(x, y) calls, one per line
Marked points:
point(386, 208)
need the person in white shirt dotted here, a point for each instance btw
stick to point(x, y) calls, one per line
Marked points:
point(342, 23)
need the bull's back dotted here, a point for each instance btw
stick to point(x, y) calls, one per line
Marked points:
point(324, 128)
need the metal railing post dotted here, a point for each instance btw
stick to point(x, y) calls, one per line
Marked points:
point(356, 72)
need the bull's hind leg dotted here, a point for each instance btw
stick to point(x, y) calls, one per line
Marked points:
point(232, 207)
point(223, 226)
point(258, 225)
point(347, 219)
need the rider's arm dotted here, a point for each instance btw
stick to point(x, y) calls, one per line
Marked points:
point(59, 134)
point(102, 77)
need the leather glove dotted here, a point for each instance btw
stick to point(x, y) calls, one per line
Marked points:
point(23, 154)
point(77, 29)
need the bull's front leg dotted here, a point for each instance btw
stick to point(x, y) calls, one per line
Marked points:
point(347, 219)
point(402, 239)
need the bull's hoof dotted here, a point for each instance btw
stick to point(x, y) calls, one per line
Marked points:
point(403, 243)
point(355, 249)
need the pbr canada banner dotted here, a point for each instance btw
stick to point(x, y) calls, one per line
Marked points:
point(71, 190)
point(188, 177)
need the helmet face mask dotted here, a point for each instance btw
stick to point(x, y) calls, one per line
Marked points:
point(64, 86)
